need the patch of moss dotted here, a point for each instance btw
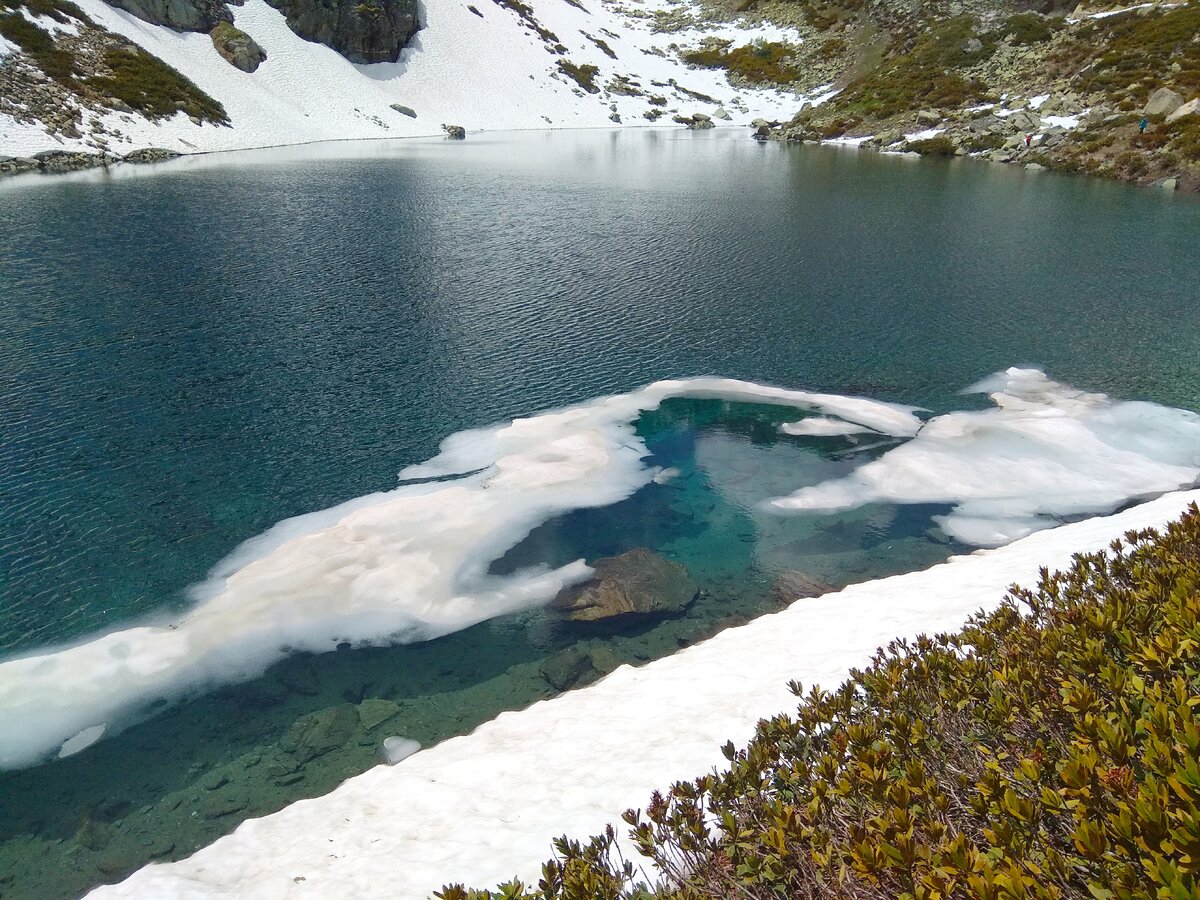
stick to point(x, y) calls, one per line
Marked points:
point(1049, 749)
point(584, 76)
point(153, 88)
point(761, 62)
point(977, 143)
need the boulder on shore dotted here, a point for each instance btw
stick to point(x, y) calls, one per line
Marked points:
point(1162, 102)
point(455, 132)
point(637, 583)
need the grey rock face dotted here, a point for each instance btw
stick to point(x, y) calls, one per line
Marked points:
point(404, 110)
point(237, 48)
point(15, 165)
point(635, 583)
point(1163, 102)
point(1191, 108)
point(363, 31)
point(149, 155)
point(182, 15)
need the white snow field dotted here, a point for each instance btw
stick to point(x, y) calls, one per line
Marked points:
point(484, 72)
point(484, 807)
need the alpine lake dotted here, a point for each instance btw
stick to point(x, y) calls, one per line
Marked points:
point(193, 352)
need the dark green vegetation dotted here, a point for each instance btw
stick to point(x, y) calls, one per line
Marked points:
point(924, 74)
point(1140, 53)
point(39, 44)
point(1049, 749)
point(152, 87)
point(41, 47)
point(584, 76)
point(97, 66)
point(763, 62)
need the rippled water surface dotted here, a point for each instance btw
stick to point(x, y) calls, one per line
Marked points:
point(191, 354)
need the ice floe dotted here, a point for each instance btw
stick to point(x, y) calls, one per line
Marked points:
point(1046, 451)
point(405, 565)
point(412, 563)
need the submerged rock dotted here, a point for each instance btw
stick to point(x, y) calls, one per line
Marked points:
point(319, 733)
point(237, 48)
point(794, 585)
point(636, 583)
point(564, 670)
point(374, 711)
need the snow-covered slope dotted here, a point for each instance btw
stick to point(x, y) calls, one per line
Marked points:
point(484, 807)
point(482, 69)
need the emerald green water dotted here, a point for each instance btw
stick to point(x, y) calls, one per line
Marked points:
point(188, 358)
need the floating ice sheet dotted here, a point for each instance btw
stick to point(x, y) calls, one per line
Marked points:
point(412, 564)
point(405, 565)
point(1047, 451)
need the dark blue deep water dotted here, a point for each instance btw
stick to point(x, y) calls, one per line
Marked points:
point(193, 353)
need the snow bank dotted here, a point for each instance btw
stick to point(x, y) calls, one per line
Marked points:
point(394, 567)
point(484, 72)
point(1045, 452)
point(484, 807)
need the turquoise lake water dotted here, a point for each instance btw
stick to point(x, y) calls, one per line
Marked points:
point(192, 354)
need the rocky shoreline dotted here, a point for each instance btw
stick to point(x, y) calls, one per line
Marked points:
point(1058, 132)
point(60, 162)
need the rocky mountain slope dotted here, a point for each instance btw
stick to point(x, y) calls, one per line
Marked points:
point(1024, 81)
point(78, 78)
point(999, 80)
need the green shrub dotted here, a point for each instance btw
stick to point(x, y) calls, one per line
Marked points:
point(1049, 749)
point(923, 74)
point(584, 76)
point(980, 142)
point(41, 47)
point(938, 145)
point(58, 10)
point(761, 62)
point(152, 87)
point(1142, 51)
point(1029, 28)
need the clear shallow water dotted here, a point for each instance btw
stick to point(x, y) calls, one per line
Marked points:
point(190, 357)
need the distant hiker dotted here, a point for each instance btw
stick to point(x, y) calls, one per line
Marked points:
point(1142, 125)
point(1028, 139)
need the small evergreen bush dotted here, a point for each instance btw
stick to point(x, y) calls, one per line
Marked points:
point(1049, 749)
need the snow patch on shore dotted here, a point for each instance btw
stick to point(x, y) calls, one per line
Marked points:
point(483, 807)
